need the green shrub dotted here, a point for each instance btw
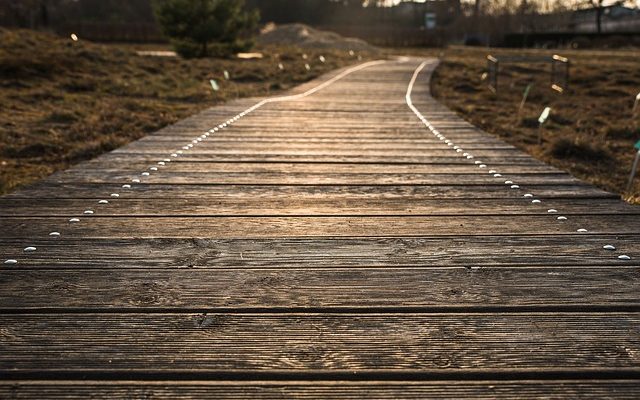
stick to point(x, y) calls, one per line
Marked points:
point(201, 28)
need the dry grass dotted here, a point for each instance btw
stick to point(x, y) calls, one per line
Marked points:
point(590, 132)
point(64, 101)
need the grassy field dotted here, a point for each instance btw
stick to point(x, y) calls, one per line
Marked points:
point(590, 132)
point(65, 101)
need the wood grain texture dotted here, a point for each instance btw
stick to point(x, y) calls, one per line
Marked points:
point(417, 192)
point(229, 178)
point(339, 226)
point(320, 342)
point(327, 205)
point(515, 390)
point(470, 251)
point(335, 289)
point(310, 168)
point(132, 158)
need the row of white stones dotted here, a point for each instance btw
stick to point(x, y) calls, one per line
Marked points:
point(511, 184)
point(156, 168)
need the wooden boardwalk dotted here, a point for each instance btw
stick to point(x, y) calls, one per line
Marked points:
point(355, 239)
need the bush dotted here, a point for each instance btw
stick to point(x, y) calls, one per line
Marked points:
point(580, 42)
point(201, 28)
point(566, 148)
point(473, 41)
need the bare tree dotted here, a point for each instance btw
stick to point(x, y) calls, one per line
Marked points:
point(597, 5)
point(476, 8)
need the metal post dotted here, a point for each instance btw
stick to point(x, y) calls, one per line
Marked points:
point(541, 120)
point(633, 171)
point(495, 79)
point(492, 72)
point(539, 134)
point(566, 75)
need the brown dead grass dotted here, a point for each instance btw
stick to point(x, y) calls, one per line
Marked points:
point(64, 101)
point(590, 132)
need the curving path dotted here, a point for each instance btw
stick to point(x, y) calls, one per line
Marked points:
point(353, 238)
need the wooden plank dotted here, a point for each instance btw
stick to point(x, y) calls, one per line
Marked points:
point(320, 134)
point(71, 252)
point(327, 205)
point(350, 138)
point(46, 189)
point(125, 159)
point(326, 158)
point(297, 151)
point(339, 226)
point(111, 168)
point(335, 289)
point(391, 146)
point(224, 343)
point(487, 389)
point(266, 178)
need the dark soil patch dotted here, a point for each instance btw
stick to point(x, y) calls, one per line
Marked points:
point(465, 88)
point(565, 148)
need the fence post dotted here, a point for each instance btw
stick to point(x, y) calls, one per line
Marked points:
point(563, 85)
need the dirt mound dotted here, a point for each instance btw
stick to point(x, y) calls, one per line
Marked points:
point(304, 36)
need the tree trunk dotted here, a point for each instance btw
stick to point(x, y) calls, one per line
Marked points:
point(599, 19)
point(44, 14)
point(476, 16)
point(522, 12)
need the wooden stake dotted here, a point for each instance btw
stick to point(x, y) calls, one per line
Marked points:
point(541, 120)
point(634, 167)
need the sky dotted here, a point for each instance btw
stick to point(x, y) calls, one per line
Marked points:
point(393, 2)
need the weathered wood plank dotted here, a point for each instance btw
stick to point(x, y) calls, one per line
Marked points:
point(320, 342)
point(307, 168)
point(515, 390)
point(283, 192)
point(125, 159)
point(351, 138)
point(215, 151)
point(354, 134)
point(391, 146)
point(339, 226)
point(327, 205)
point(371, 289)
point(167, 176)
point(424, 252)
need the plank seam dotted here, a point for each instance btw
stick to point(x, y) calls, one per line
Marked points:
point(336, 375)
